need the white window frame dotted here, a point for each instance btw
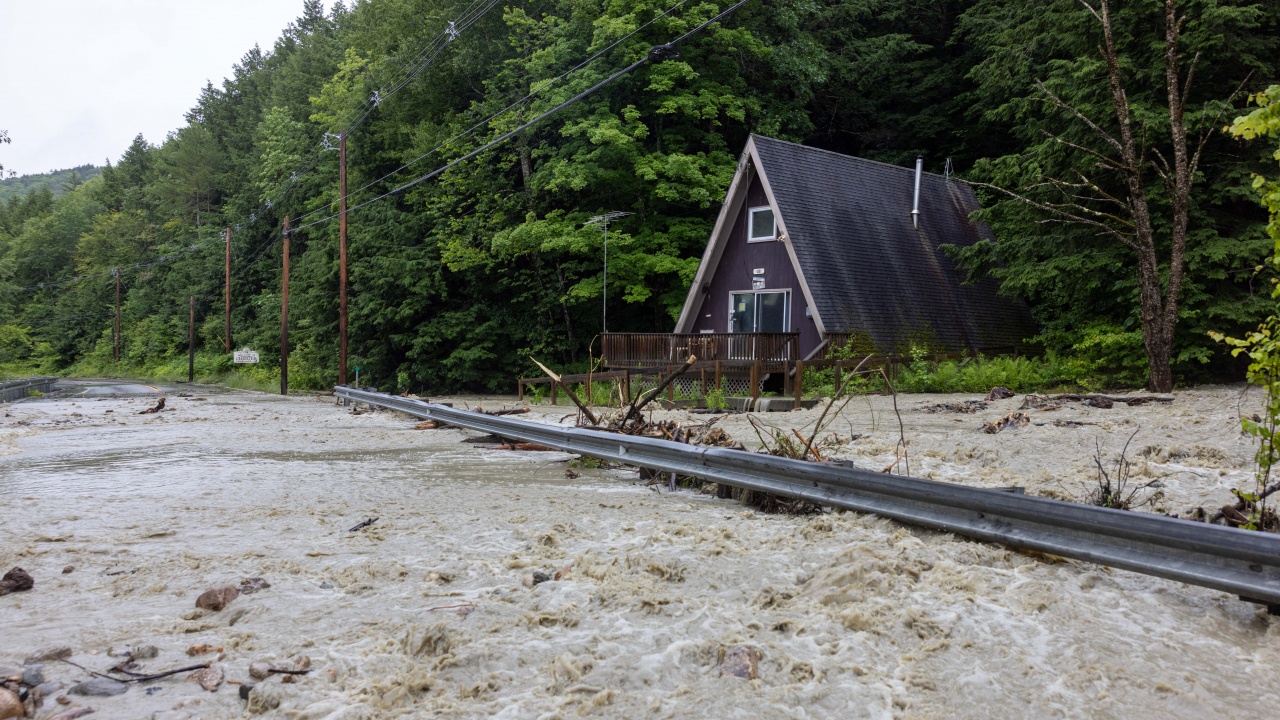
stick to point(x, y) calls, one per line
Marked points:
point(751, 224)
point(786, 311)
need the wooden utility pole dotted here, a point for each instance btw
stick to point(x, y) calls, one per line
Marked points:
point(116, 272)
point(342, 259)
point(226, 343)
point(191, 341)
point(284, 314)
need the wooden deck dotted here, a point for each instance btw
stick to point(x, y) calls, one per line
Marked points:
point(647, 351)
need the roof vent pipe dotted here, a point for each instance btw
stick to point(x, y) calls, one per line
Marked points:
point(915, 205)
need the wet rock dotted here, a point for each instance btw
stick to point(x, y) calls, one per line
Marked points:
point(260, 671)
point(99, 687)
point(10, 705)
point(68, 569)
point(62, 700)
point(53, 652)
point(16, 580)
point(326, 585)
point(48, 688)
point(249, 586)
point(1099, 402)
point(144, 652)
point(209, 678)
point(264, 698)
point(216, 598)
point(245, 689)
point(72, 713)
point(331, 673)
point(999, 393)
point(741, 661)
point(33, 675)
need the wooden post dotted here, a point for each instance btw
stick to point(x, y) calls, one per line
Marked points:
point(191, 340)
point(626, 377)
point(671, 392)
point(798, 383)
point(839, 366)
point(719, 377)
point(704, 382)
point(786, 377)
point(226, 335)
point(554, 387)
point(520, 390)
point(284, 312)
point(755, 379)
point(117, 272)
point(342, 259)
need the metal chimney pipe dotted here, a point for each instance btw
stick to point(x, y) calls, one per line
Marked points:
point(915, 205)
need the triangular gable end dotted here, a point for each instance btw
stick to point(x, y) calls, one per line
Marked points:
point(748, 164)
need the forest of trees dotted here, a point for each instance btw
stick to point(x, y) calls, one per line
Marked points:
point(457, 279)
point(55, 181)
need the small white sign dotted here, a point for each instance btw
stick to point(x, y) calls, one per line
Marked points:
point(758, 271)
point(245, 356)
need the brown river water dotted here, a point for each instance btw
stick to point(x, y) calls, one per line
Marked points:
point(424, 612)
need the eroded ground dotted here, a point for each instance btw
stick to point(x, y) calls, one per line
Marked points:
point(424, 612)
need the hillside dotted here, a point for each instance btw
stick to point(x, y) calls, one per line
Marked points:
point(56, 180)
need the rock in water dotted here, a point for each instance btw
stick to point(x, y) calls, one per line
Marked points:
point(54, 652)
point(144, 652)
point(16, 580)
point(216, 598)
point(741, 661)
point(209, 678)
point(245, 689)
point(249, 586)
point(33, 675)
point(10, 705)
point(260, 671)
point(99, 687)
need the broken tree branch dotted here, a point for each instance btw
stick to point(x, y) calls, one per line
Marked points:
point(586, 412)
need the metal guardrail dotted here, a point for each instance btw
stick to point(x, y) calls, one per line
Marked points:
point(1241, 562)
point(18, 389)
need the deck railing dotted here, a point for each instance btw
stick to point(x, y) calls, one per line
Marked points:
point(639, 351)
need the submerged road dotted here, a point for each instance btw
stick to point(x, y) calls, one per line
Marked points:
point(432, 609)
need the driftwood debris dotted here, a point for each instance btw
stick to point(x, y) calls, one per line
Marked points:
point(151, 410)
point(364, 524)
point(1013, 419)
point(638, 404)
point(1053, 402)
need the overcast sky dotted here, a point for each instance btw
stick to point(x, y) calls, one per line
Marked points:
point(80, 78)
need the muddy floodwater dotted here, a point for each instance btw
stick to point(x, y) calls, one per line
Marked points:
point(426, 612)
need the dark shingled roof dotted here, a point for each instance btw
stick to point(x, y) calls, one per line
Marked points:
point(868, 269)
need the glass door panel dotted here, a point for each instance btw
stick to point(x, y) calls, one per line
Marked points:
point(771, 312)
point(742, 312)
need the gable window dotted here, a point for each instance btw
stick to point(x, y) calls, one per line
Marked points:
point(760, 225)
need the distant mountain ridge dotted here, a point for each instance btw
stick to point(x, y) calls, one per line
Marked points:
point(56, 180)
